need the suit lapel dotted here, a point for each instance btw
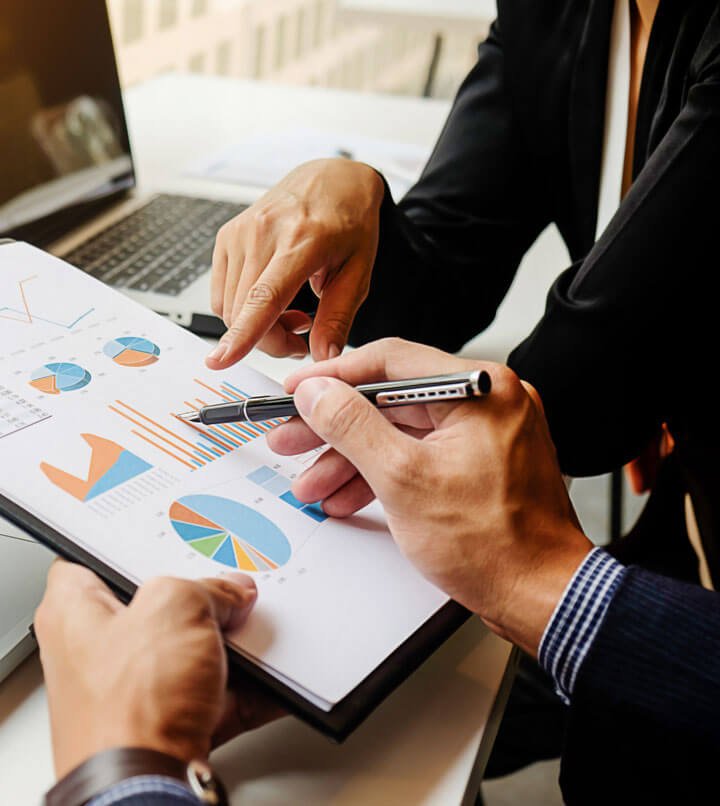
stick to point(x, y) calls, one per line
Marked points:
point(587, 114)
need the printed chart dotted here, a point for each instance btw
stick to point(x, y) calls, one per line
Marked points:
point(52, 379)
point(32, 305)
point(110, 466)
point(16, 413)
point(278, 485)
point(132, 351)
point(229, 533)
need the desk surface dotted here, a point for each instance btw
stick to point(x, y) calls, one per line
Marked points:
point(428, 742)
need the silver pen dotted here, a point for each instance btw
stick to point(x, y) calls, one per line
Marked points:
point(413, 391)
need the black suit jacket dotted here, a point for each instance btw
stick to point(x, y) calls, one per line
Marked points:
point(627, 339)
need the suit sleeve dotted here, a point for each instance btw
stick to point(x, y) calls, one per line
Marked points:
point(620, 343)
point(450, 249)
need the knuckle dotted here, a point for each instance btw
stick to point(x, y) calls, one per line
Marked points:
point(263, 296)
point(44, 619)
point(338, 322)
point(167, 589)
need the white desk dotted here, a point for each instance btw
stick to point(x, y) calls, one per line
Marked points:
point(427, 744)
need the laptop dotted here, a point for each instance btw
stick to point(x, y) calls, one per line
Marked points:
point(68, 181)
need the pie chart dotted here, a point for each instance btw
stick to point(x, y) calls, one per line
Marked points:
point(52, 379)
point(132, 351)
point(229, 533)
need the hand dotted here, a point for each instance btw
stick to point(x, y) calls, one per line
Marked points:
point(152, 674)
point(472, 490)
point(319, 223)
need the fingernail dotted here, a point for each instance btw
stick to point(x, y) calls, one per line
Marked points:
point(218, 353)
point(298, 356)
point(308, 394)
point(333, 351)
point(245, 582)
point(300, 330)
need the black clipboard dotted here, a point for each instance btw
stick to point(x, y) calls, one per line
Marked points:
point(346, 715)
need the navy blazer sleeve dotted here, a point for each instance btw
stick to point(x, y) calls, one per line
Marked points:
point(644, 723)
point(450, 249)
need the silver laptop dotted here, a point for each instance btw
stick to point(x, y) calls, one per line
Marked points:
point(67, 182)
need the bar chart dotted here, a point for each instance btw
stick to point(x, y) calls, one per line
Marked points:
point(279, 485)
point(190, 445)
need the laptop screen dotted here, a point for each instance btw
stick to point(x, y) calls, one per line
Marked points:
point(62, 128)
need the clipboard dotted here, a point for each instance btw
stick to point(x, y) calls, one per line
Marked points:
point(347, 714)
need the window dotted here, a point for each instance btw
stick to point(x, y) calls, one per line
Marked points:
point(259, 51)
point(168, 14)
point(280, 42)
point(132, 21)
point(319, 21)
point(197, 63)
point(300, 34)
point(198, 8)
point(223, 56)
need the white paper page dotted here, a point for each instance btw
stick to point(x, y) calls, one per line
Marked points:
point(89, 382)
point(265, 159)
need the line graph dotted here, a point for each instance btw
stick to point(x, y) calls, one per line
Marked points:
point(24, 314)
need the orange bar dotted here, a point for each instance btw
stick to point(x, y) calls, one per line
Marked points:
point(161, 427)
point(215, 391)
point(155, 434)
point(160, 448)
point(204, 431)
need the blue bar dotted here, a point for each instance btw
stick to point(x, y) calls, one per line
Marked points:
point(208, 449)
point(235, 389)
point(278, 485)
point(315, 512)
point(261, 475)
point(289, 498)
point(230, 433)
point(195, 462)
point(245, 430)
point(221, 446)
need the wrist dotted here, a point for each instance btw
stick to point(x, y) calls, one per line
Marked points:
point(111, 767)
point(533, 594)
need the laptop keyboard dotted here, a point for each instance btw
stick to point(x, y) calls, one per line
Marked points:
point(162, 247)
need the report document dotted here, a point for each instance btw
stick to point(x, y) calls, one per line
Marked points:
point(90, 445)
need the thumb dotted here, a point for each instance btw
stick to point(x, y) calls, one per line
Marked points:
point(355, 428)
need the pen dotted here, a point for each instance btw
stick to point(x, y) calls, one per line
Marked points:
point(434, 389)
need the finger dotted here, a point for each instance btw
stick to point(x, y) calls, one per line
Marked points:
point(233, 278)
point(340, 299)
point(349, 499)
point(266, 300)
point(247, 706)
point(327, 475)
point(387, 359)
point(74, 596)
point(258, 255)
point(281, 342)
point(348, 422)
point(232, 598)
point(292, 438)
point(218, 275)
point(180, 603)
